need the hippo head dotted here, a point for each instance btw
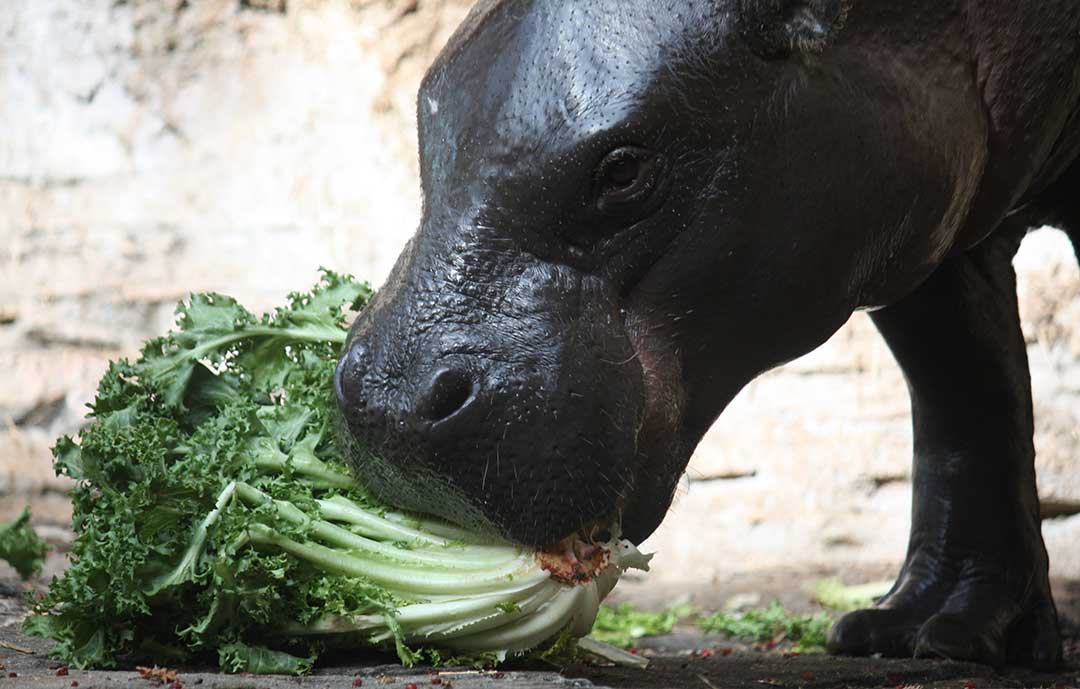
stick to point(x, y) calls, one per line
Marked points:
point(631, 209)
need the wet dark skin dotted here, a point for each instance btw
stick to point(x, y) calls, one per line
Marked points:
point(634, 207)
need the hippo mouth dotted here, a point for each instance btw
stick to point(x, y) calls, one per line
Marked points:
point(580, 557)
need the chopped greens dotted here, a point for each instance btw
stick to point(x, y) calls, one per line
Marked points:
point(772, 623)
point(835, 595)
point(624, 624)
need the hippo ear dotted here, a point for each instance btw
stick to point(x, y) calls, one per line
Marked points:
point(779, 28)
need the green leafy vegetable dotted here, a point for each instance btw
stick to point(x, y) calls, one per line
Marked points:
point(21, 546)
point(215, 517)
point(772, 623)
point(623, 625)
point(834, 594)
point(259, 660)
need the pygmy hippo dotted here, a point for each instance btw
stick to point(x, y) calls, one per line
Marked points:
point(634, 207)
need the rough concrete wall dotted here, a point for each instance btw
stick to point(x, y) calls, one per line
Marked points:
point(155, 147)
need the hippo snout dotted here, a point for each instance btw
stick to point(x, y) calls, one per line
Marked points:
point(520, 421)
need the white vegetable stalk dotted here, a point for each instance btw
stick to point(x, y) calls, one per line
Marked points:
point(464, 593)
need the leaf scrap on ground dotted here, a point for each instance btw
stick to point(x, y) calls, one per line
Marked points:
point(161, 674)
point(624, 624)
point(772, 624)
point(834, 594)
point(21, 546)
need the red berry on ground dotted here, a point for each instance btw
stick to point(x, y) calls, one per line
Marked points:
point(358, 682)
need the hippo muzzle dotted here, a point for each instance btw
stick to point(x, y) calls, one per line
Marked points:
point(504, 397)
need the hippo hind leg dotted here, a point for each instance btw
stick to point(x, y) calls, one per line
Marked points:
point(975, 582)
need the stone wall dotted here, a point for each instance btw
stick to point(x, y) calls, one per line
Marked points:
point(810, 466)
point(155, 147)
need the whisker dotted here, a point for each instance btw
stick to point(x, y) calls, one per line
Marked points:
point(619, 363)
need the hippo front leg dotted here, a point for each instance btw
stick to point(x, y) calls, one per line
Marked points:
point(974, 585)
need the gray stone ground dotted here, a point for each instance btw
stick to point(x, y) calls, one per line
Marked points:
point(673, 668)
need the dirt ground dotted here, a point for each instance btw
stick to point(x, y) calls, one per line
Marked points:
point(684, 658)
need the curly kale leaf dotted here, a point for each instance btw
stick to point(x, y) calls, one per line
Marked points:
point(158, 563)
point(21, 546)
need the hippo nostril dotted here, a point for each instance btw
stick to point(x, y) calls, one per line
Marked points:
point(448, 391)
point(346, 373)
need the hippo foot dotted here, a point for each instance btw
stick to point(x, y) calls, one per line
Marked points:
point(961, 612)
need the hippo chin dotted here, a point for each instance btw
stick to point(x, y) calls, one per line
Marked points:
point(632, 208)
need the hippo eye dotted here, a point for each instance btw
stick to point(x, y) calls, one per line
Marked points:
point(625, 177)
point(623, 173)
